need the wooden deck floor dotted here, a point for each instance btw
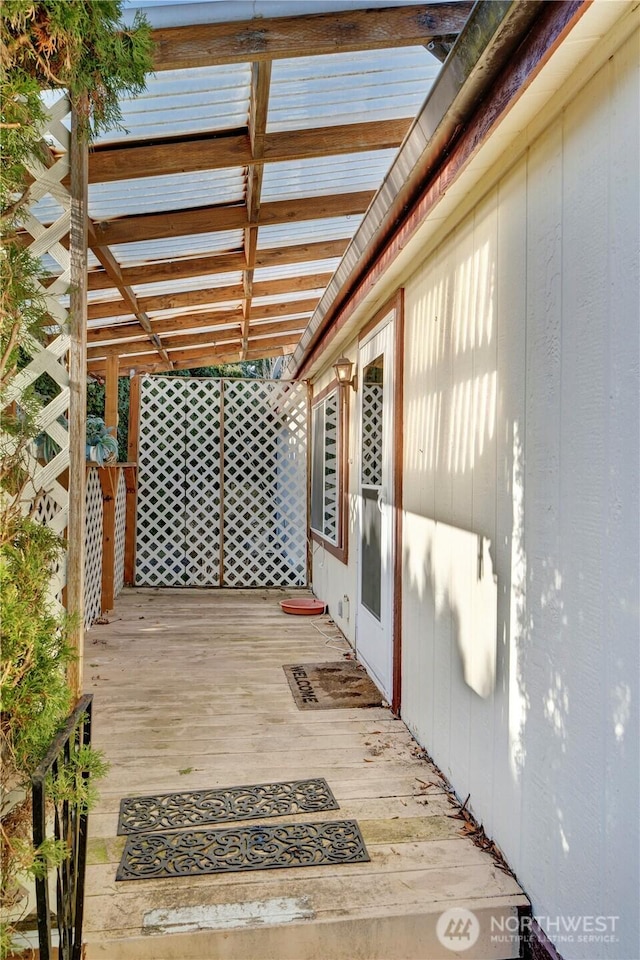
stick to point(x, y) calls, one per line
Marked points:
point(190, 693)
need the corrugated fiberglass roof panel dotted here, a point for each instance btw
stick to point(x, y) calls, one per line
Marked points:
point(191, 101)
point(308, 231)
point(177, 191)
point(286, 270)
point(187, 283)
point(349, 87)
point(325, 176)
point(199, 244)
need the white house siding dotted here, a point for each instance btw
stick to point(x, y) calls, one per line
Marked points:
point(522, 425)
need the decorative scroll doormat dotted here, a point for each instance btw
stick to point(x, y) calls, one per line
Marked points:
point(190, 853)
point(327, 686)
point(195, 808)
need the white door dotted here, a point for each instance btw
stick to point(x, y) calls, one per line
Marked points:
point(374, 633)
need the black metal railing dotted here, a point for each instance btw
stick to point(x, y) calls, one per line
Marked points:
point(69, 825)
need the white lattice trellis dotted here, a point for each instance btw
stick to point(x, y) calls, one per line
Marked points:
point(93, 549)
point(160, 554)
point(235, 445)
point(202, 482)
point(265, 483)
point(46, 244)
point(121, 516)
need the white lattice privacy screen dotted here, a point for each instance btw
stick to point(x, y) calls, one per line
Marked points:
point(222, 483)
point(46, 220)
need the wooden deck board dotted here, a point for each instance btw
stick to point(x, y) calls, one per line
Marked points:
point(190, 693)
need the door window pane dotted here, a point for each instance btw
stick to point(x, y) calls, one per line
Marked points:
point(371, 552)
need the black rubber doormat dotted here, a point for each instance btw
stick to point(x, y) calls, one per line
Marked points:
point(328, 686)
point(193, 852)
point(195, 808)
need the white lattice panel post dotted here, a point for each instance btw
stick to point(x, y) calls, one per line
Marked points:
point(92, 600)
point(121, 516)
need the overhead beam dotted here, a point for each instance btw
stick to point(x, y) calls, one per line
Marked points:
point(217, 152)
point(220, 263)
point(204, 44)
point(183, 359)
point(202, 360)
point(160, 226)
point(258, 108)
point(193, 298)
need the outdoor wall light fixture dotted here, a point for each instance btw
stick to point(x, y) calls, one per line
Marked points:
point(343, 368)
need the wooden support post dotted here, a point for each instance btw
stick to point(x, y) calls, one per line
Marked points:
point(109, 483)
point(78, 389)
point(131, 480)
point(111, 393)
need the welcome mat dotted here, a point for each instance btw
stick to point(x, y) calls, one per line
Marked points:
point(326, 686)
point(193, 808)
point(193, 852)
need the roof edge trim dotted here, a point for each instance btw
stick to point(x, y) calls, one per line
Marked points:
point(494, 29)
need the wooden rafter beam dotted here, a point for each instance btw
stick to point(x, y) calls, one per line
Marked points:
point(258, 109)
point(112, 268)
point(193, 298)
point(220, 263)
point(203, 44)
point(160, 226)
point(217, 152)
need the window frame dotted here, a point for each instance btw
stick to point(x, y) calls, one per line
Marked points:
point(338, 547)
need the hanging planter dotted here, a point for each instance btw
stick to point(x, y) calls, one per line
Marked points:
point(102, 446)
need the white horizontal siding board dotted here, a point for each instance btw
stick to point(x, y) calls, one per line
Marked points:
point(510, 695)
point(583, 403)
point(482, 468)
point(620, 586)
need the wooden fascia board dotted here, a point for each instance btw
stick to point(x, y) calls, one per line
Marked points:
point(182, 359)
point(194, 298)
point(216, 152)
point(204, 44)
point(221, 263)
point(202, 360)
point(160, 226)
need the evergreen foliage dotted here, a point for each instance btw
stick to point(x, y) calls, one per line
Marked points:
point(80, 46)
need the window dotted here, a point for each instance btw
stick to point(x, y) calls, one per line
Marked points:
point(327, 465)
